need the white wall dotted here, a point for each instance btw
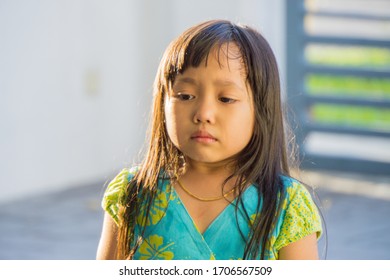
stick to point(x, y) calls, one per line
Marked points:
point(76, 79)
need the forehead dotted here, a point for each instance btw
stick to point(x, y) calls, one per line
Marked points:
point(223, 67)
point(226, 55)
point(221, 59)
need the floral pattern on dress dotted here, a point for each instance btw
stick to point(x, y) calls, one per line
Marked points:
point(170, 233)
point(157, 210)
point(154, 248)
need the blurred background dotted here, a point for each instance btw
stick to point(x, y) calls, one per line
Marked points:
point(75, 90)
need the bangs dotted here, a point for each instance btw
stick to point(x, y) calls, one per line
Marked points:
point(195, 46)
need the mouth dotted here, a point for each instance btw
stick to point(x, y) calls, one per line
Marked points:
point(203, 137)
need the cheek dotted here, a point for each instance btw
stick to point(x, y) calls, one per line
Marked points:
point(168, 116)
point(244, 122)
point(171, 122)
point(244, 133)
point(246, 130)
point(239, 133)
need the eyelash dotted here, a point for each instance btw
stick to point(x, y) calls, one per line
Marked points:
point(227, 100)
point(187, 97)
point(184, 96)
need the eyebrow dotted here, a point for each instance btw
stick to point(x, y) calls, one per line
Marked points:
point(186, 80)
point(227, 83)
point(221, 83)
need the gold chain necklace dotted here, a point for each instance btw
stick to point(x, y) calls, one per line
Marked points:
point(205, 198)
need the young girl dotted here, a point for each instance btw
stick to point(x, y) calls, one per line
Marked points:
point(214, 183)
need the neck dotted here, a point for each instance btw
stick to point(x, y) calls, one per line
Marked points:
point(224, 168)
point(206, 178)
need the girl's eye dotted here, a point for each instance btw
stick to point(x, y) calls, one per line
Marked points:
point(185, 96)
point(226, 100)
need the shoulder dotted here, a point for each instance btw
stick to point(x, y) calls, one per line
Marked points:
point(299, 214)
point(115, 191)
point(297, 196)
point(294, 189)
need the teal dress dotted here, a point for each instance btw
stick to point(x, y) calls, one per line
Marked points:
point(170, 232)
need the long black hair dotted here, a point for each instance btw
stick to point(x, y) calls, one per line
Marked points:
point(260, 163)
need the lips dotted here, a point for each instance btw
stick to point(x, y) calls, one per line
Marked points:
point(203, 136)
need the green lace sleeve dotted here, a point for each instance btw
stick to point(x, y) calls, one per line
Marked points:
point(301, 216)
point(114, 192)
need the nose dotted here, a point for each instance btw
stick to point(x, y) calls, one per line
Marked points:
point(205, 111)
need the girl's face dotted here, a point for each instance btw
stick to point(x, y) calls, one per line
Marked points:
point(209, 113)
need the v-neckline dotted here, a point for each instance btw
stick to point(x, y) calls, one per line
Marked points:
point(214, 221)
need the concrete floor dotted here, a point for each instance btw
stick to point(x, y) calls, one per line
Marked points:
point(66, 225)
